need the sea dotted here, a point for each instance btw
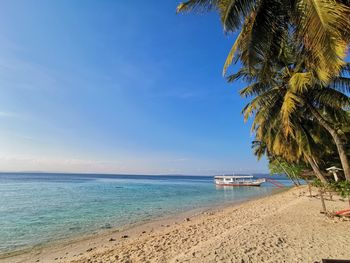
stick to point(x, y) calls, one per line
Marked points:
point(38, 208)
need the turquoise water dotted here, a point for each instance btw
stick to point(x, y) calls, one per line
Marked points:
point(38, 208)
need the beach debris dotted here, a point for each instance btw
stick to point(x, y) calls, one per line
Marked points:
point(111, 239)
point(125, 236)
point(143, 232)
point(187, 219)
point(90, 249)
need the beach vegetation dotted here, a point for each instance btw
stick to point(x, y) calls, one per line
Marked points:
point(292, 170)
point(342, 188)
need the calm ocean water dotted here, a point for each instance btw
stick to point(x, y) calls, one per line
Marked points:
point(38, 208)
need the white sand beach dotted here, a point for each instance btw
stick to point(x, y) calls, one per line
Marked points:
point(284, 227)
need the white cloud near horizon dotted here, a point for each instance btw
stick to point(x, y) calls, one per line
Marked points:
point(127, 165)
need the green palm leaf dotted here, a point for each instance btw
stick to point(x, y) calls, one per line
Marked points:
point(323, 28)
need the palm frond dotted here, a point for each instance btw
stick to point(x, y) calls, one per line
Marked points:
point(232, 52)
point(233, 13)
point(268, 30)
point(245, 74)
point(241, 44)
point(254, 89)
point(332, 98)
point(345, 70)
point(341, 84)
point(290, 104)
point(265, 100)
point(197, 5)
point(300, 82)
point(321, 27)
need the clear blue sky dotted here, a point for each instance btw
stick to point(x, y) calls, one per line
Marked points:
point(117, 87)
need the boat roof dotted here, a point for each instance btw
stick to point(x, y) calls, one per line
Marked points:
point(234, 176)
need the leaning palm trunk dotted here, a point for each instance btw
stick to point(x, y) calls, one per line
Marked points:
point(338, 141)
point(316, 169)
point(291, 178)
point(296, 178)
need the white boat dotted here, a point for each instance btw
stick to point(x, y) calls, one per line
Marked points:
point(238, 180)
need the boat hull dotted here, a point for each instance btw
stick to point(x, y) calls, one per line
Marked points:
point(228, 184)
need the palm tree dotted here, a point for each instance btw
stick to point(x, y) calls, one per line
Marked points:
point(321, 29)
point(319, 33)
point(272, 141)
point(277, 102)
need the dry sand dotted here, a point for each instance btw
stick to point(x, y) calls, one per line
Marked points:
point(285, 227)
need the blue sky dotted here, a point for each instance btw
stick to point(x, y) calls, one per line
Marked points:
point(117, 87)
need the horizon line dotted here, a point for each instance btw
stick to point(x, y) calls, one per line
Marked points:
point(92, 173)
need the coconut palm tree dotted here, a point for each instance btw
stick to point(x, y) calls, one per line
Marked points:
point(321, 29)
point(272, 141)
point(319, 32)
point(276, 101)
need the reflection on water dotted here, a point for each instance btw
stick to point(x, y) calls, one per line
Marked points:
point(237, 192)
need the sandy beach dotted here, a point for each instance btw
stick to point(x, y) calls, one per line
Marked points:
point(284, 227)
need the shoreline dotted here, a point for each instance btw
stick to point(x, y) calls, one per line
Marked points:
point(285, 226)
point(149, 224)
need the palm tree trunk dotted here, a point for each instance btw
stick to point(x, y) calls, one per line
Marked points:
point(338, 141)
point(296, 178)
point(293, 181)
point(316, 170)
